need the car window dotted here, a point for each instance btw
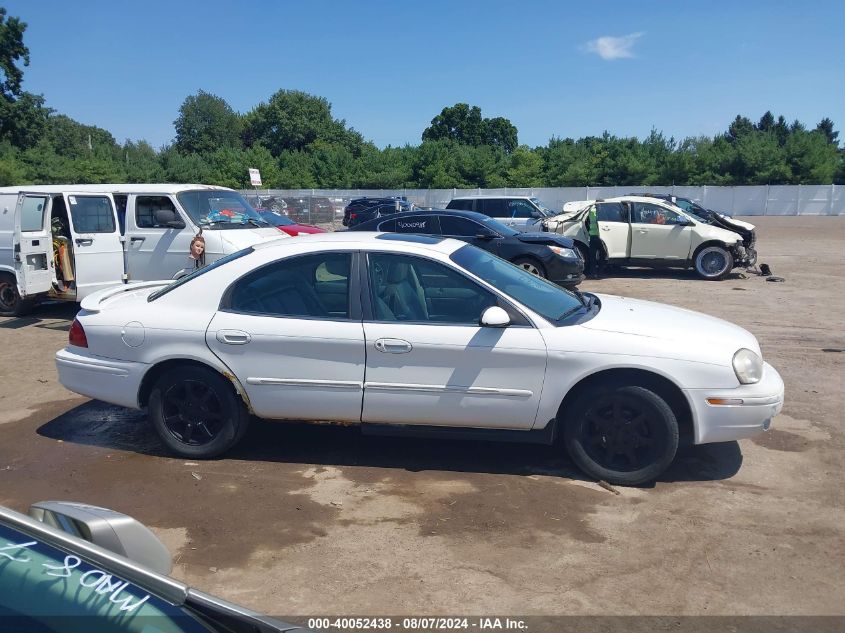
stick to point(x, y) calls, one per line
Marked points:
point(544, 297)
point(670, 217)
point(494, 207)
point(611, 212)
point(463, 205)
point(309, 286)
point(219, 209)
point(646, 213)
point(460, 227)
point(521, 208)
point(32, 214)
point(145, 208)
point(426, 224)
point(199, 272)
point(91, 214)
point(41, 584)
point(407, 288)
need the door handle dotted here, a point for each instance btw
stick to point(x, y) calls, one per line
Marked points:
point(84, 241)
point(233, 337)
point(137, 239)
point(642, 230)
point(393, 346)
point(604, 228)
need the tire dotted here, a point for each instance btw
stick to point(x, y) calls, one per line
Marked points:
point(196, 412)
point(624, 435)
point(713, 262)
point(11, 304)
point(531, 265)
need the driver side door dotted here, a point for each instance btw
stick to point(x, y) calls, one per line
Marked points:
point(428, 360)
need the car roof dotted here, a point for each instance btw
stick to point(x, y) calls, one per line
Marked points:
point(112, 188)
point(363, 240)
point(470, 215)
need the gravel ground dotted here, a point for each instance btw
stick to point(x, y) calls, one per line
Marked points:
point(305, 520)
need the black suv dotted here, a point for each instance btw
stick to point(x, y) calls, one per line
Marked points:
point(364, 209)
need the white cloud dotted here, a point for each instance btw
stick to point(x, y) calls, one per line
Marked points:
point(610, 48)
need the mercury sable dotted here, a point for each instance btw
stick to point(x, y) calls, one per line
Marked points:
point(421, 335)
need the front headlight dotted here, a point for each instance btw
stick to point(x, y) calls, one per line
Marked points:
point(566, 253)
point(748, 366)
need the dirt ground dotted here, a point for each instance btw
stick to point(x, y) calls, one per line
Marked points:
point(318, 520)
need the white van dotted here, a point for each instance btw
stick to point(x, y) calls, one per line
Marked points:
point(68, 241)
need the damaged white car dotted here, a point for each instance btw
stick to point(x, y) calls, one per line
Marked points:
point(645, 231)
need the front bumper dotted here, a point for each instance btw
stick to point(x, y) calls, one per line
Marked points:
point(748, 409)
point(565, 272)
point(106, 379)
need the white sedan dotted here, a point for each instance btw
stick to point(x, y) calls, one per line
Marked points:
point(417, 334)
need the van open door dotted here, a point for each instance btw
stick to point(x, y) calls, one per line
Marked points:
point(33, 244)
point(96, 241)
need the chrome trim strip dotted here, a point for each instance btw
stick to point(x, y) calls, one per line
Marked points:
point(305, 382)
point(471, 391)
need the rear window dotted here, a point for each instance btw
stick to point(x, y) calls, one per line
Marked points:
point(462, 205)
point(200, 271)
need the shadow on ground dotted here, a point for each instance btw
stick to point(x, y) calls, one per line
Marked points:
point(108, 426)
point(616, 272)
point(44, 315)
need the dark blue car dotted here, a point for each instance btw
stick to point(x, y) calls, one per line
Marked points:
point(547, 255)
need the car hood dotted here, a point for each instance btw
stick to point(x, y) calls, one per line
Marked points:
point(737, 223)
point(551, 239)
point(237, 239)
point(648, 319)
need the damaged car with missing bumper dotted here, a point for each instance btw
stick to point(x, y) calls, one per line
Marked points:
point(654, 233)
point(418, 335)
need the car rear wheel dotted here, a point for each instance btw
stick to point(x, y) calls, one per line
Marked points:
point(196, 412)
point(623, 435)
point(11, 304)
point(713, 262)
point(531, 265)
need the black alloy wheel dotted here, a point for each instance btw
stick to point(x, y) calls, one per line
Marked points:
point(626, 435)
point(197, 412)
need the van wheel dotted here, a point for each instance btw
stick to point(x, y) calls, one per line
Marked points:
point(196, 412)
point(11, 304)
point(531, 265)
point(623, 435)
point(713, 262)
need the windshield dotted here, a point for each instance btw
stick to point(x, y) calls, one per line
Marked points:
point(546, 211)
point(698, 212)
point(219, 209)
point(276, 219)
point(543, 297)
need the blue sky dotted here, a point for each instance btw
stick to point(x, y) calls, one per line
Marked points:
point(387, 67)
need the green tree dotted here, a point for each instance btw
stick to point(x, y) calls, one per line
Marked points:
point(12, 50)
point(206, 123)
point(293, 120)
point(23, 120)
point(825, 126)
point(525, 168)
point(463, 123)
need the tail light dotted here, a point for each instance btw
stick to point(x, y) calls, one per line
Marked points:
point(352, 216)
point(76, 336)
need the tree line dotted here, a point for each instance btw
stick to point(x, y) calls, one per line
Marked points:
point(296, 142)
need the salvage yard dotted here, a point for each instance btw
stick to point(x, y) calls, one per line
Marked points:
point(301, 520)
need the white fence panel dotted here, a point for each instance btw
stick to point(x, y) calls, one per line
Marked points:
point(753, 200)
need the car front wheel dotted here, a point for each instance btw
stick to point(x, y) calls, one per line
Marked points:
point(713, 262)
point(623, 435)
point(196, 412)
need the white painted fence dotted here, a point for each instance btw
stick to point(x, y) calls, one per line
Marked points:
point(754, 200)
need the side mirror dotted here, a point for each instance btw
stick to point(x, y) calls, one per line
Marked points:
point(484, 236)
point(687, 223)
point(110, 530)
point(168, 218)
point(536, 215)
point(494, 316)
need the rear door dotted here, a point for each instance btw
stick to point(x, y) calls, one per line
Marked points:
point(658, 233)
point(291, 332)
point(97, 246)
point(614, 229)
point(33, 244)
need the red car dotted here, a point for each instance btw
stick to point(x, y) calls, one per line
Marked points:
point(287, 225)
